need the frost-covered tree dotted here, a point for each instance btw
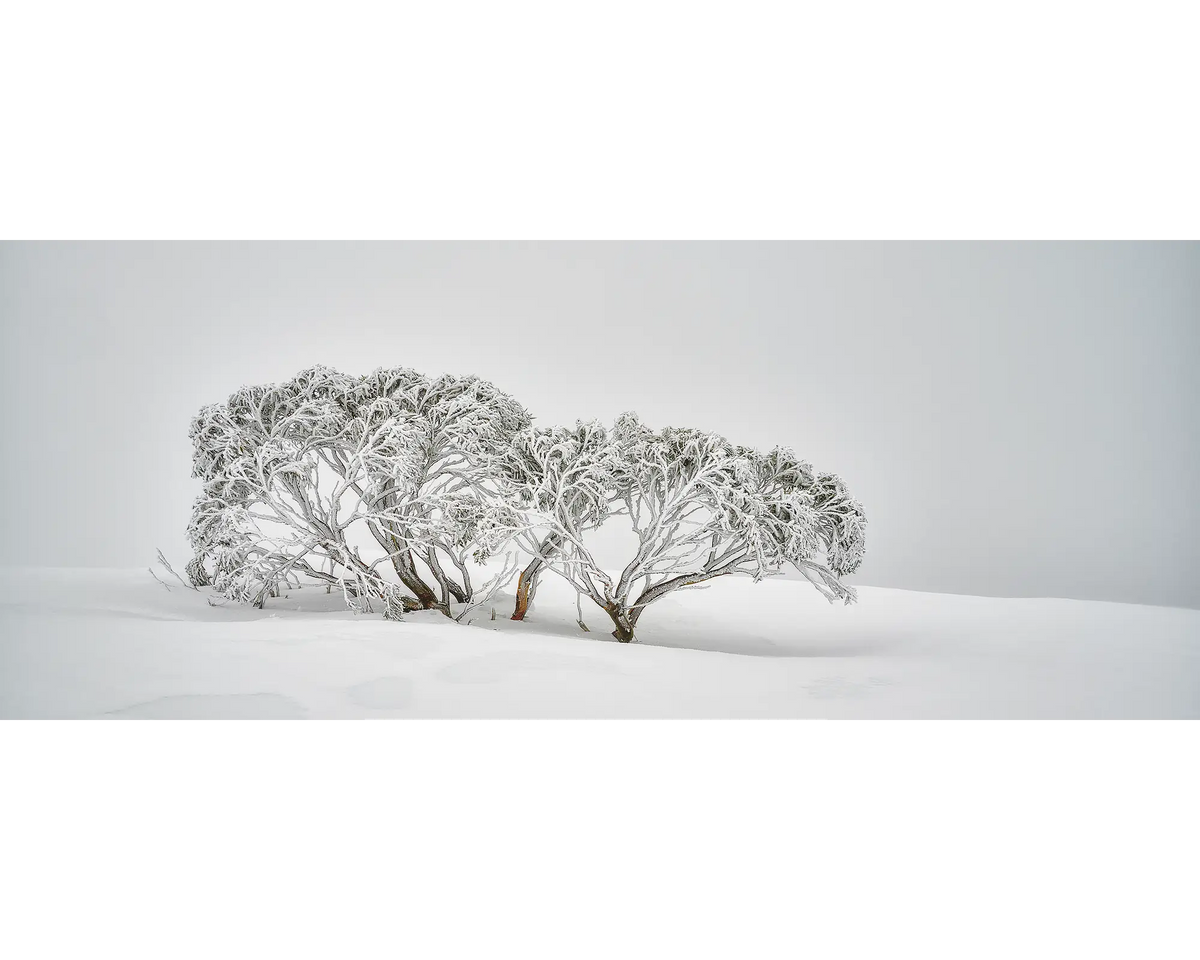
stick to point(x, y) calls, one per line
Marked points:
point(563, 474)
point(701, 508)
point(458, 423)
point(291, 470)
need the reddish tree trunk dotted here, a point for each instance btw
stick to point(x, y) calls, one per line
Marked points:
point(526, 587)
point(528, 581)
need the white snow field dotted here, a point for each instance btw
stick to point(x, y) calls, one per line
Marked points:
point(116, 644)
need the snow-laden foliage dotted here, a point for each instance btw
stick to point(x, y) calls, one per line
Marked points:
point(701, 507)
point(387, 488)
point(292, 470)
point(566, 476)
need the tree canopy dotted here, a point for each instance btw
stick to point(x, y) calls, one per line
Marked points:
point(393, 487)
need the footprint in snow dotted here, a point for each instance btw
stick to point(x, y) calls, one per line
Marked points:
point(384, 693)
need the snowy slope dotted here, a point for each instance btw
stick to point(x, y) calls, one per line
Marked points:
point(114, 643)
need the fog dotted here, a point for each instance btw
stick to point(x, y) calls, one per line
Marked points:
point(1018, 419)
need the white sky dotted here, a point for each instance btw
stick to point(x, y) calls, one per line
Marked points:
point(1017, 418)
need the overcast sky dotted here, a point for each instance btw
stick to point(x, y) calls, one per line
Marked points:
point(1019, 419)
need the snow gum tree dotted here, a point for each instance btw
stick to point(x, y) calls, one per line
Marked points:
point(458, 422)
point(428, 474)
point(566, 479)
point(701, 508)
point(291, 469)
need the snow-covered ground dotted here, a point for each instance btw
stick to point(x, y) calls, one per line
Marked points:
point(114, 643)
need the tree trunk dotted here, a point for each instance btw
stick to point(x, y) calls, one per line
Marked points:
point(527, 587)
point(449, 587)
point(624, 621)
point(528, 581)
point(407, 572)
point(402, 562)
point(468, 590)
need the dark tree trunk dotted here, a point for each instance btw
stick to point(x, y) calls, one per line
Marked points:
point(623, 620)
point(407, 572)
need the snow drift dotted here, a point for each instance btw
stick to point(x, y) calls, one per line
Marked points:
point(116, 644)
